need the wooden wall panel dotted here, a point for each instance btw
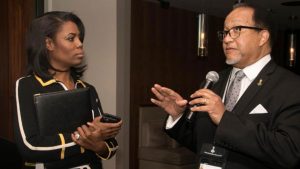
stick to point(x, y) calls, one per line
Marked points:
point(17, 15)
point(4, 56)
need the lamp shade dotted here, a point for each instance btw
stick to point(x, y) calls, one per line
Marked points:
point(202, 35)
point(292, 49)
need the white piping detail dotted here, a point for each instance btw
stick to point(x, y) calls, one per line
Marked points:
point(31, 147)
point(63, 85)
point(100, 113)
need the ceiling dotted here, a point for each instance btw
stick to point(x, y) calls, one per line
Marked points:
point(280, 13)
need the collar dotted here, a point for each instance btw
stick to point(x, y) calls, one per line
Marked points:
point(47, 82)
point(253, 70)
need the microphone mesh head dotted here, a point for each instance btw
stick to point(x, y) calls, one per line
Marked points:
point(212, 76)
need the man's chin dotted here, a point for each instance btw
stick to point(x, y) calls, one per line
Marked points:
point(230, 61)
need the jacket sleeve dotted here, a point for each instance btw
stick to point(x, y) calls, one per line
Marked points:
point(112, 143)
point(95, 101)
point(192, 134)
point(33, 146)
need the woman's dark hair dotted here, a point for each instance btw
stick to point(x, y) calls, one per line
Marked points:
point(262, 19)
point(47, 26)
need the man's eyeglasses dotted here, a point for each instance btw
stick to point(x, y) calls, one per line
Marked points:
point(234, 32)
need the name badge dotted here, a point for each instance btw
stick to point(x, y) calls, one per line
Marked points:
point(212, 157)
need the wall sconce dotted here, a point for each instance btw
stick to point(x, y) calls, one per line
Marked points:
point(292, 49)
point(202, 36)
point(292, 44)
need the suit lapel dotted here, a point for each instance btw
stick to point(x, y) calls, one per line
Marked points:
point(257, 84)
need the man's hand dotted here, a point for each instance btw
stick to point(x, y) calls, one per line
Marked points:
point(169, 100)
point(210, 103)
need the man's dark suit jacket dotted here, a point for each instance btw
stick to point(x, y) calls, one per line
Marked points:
point(258, 140)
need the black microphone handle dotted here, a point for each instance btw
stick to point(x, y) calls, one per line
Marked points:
point(208, 84)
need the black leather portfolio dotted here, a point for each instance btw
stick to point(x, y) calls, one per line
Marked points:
point(62, 111)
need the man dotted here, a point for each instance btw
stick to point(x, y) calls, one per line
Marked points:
point(262, 130)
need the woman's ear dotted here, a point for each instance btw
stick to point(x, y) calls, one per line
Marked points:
point(265, 37)
point(49, 44)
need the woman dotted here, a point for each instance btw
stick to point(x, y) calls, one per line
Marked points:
point(55, 55)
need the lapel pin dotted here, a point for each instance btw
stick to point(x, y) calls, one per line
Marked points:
point(260, 82)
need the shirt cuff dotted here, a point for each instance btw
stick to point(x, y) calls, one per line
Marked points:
point(170, 122)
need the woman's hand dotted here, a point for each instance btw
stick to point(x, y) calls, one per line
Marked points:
point(92, 135)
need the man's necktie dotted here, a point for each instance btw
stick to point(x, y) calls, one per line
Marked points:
point(234, 90)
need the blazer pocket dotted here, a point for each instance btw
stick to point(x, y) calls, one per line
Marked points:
point(259, 109)
point(259, 118)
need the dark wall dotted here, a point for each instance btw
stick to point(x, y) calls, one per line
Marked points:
point(280, 52)
point(164, 51)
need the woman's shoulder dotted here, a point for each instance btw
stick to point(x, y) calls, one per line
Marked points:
point(27, 86)
point(90, 86)
point(85, 84)
point(32, 83)
point(25, 80)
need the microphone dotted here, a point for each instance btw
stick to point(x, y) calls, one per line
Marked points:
point(211, 78)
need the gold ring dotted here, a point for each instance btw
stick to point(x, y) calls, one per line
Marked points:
point(205, 101)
